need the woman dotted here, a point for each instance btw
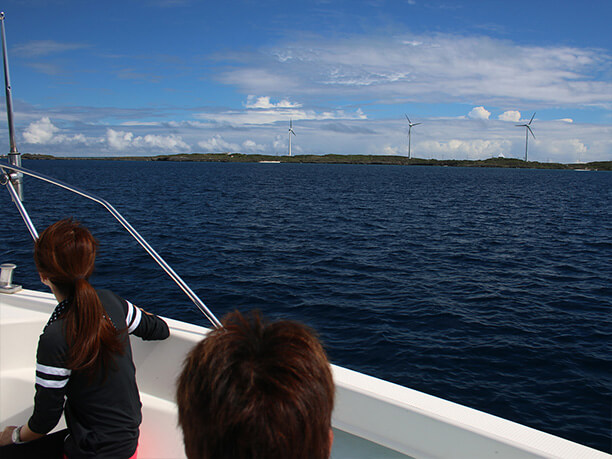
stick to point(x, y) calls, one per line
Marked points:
point(84, 356)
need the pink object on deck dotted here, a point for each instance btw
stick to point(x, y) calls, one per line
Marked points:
point(133, 456)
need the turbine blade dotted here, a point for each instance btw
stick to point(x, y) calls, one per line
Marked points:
point(529, 129)
point(409, 122)
point(531, 118)
point(416, 124)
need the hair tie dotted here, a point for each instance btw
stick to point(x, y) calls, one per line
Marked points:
point(80, 278)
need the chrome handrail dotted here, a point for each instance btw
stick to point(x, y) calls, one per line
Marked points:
point(130, 229)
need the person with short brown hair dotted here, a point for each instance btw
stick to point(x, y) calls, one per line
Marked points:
point(253, 389)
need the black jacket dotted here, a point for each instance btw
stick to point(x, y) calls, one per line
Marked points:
point(103, 413)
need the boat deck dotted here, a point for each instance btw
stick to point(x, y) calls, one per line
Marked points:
point(160, 436)
point(372, 418)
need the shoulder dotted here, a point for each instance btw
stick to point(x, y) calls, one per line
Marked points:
point(108, 295)
point(111, 301)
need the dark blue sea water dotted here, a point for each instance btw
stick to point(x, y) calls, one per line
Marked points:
point(487, 287)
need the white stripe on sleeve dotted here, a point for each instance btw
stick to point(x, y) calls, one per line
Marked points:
point(130, 313)
point(56, 371)
point(51, 384)
point(136, 320)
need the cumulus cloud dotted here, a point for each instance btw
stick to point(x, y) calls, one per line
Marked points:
point(43, 132)
point(218, 144)
point(164, 142)
point(458, 148)
point(122, 140)
point(510, 115)
point(479, 113)
point(251, 146)
point(119, 140)
point(573, 147)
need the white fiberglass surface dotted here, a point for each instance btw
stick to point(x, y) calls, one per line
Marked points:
point(347, 446)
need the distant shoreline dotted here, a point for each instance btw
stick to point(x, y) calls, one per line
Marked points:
point(342, 159)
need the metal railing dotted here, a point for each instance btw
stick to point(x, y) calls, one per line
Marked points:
point(14, 157)
point(5, 179)
point(12, 177)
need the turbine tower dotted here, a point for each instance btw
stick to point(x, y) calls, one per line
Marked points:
point(290, 132)
point(410, 124)
point(527, 127)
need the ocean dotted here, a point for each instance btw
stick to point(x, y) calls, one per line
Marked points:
point(487, 287)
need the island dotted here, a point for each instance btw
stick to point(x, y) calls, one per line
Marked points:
point(342, 159)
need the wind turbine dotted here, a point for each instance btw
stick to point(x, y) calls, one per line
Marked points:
point(410, 124)
point(527, 131)
point(290, 132)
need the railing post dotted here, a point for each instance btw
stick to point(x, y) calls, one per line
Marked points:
point(14, 157)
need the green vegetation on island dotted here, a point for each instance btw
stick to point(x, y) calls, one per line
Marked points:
point(346, 159)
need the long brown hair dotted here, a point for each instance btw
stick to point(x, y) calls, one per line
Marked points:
point(65, 254)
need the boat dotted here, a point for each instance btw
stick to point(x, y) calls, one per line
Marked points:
point(372, 418)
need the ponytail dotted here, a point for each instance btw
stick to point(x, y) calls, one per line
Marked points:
point(65, 254)
point(91, 336)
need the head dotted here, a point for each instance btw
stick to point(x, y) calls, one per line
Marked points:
point(252, 389)
point(65, 254)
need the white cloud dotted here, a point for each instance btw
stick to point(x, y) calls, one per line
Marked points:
point(567, 120)
point(122, 140)
point(251, 146)
point(510, 115)
point(43, 132)
point(428, 68)
point(218, 144)
point(260, 111)
point(264, 102)
point(574, 147)
point(479, 113)
point(471, 149)
point(119, 140)
point(165, 142)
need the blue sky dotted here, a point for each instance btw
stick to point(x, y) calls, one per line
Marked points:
point(171, 76)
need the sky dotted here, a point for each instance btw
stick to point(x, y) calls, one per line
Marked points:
point(152, 77)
